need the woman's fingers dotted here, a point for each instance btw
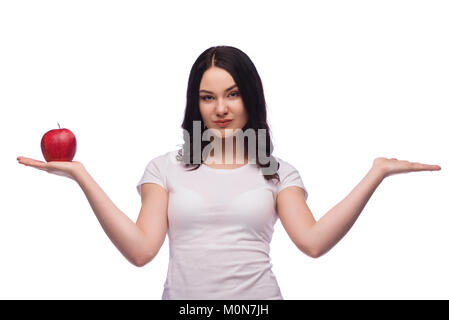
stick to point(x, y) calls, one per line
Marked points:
point(32, 163)
point(408, 166)
point(424, 167)
point(60, 168)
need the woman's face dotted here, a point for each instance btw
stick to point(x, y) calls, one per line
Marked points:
point(220, 100)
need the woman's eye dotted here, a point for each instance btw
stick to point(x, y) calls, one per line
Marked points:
point(234, 93)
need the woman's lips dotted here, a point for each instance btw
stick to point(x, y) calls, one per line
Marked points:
point(223, 124)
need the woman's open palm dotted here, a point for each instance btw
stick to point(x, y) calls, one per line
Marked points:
point(60, 168)
point(391, 166)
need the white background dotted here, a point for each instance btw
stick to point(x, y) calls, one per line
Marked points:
point(345, 82)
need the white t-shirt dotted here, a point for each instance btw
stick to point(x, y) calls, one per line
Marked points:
point(220, 224)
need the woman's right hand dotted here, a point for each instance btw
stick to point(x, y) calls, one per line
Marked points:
point(61, 168)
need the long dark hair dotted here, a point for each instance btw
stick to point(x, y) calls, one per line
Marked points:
point(245, 75)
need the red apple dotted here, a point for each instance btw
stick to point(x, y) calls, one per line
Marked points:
point(58, 145)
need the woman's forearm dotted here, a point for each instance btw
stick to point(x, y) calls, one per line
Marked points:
point(123, 232)
point(327, 231)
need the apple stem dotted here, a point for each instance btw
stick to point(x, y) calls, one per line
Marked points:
point(59, 125)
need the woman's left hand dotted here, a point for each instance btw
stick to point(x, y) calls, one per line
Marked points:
point(391, 166)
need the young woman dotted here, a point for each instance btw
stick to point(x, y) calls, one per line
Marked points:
point(219, 212)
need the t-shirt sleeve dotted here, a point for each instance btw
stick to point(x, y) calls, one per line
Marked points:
point(155, 172)
point(289, 176)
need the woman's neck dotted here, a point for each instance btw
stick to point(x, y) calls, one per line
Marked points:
point(222, 155)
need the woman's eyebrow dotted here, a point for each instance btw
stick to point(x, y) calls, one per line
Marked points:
point(235, 85)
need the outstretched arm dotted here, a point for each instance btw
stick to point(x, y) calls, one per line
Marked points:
point(316, 238)
point(138, 241)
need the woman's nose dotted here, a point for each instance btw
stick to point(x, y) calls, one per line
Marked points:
point(222, 108)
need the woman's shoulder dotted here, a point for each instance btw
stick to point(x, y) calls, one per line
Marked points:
point(171, 158)
point(285, 167)
point(166, 155)
point(282, 162)
point(162, 160)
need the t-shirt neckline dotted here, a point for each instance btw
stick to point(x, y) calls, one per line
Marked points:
point(221, 170)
